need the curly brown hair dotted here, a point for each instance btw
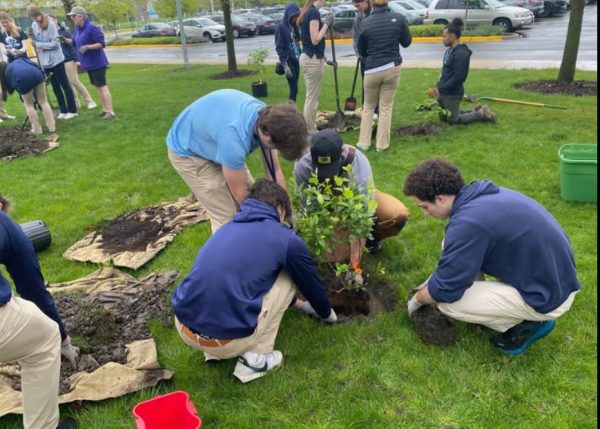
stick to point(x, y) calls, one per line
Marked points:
point(433, 177)
point(271, 193)
point(287, 129)
point(4, 204)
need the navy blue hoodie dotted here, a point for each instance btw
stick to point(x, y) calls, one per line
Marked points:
point(20, 260)
point(23, 75)
point(455, 70)
point(287, 35)
point(222, 296)
point(509, 236)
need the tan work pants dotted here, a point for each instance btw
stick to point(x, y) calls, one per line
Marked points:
point(76, 85)
point(391, 215)
point(32, 339)
point(40, 96)
point(275, 302)
point(379, 87)
point(207, 182)
point(498, 306)
point(313, 70)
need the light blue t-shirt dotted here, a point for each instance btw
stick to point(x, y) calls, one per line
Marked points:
point(219, 127)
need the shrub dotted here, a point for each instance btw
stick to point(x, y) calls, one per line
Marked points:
point(147, 41)
point(256, 59)
point(435, 30)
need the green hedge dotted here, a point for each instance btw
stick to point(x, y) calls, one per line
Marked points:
point(147, 41)
point(435, 30)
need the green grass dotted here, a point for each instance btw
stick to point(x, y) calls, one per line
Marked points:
point(362, 375)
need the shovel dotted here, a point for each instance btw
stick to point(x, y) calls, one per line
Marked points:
point(350, 103)
point(339, 121)
point(473, 99)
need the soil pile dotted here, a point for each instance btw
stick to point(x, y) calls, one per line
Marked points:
point(576, 88)
point(418, 130)
point(16, 143)
point(433, 327)
point(232, 75)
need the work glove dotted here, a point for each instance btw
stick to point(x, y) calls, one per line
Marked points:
point(331, 63)
point(288, 71)
point(329, 20)
point(84, 49)
point(413, 306)
point(69, 351)
point(306, 308)
point(332, 317)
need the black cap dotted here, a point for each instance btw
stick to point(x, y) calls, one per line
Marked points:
point(326, 153)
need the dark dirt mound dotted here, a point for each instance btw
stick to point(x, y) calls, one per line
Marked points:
point(418, 130)
point(433, 327)
point(16, 143)
point(134, 231)
point(377, 295)
point(232, 75)
point(576, 88)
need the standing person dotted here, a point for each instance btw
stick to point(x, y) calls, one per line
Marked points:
point(31, 329)
point(3, 113)
point(287, 39)
point(71, 60)
point(243, 281)
point(13, 40)
point(25, 77)
point(380, 36)
point(502, 233)
point(44, 37)
point(209, 141)
point(312, 59)
point(450, 89)
point(89, 41)
point(364, 10)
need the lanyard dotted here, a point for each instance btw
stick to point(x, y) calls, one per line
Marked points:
point(269, 161)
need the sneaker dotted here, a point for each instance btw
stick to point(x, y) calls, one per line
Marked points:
point(382, 149)
point(61, 116)
point(518, 338)
point(251, 366)
point(487, 114)
point(1, 120)
point(91, 105)
point(53, 137)
point(102, 113)
point(375, 116)
point(109, 115)
point(362, 148)
point(70, 116)
point(210, 358)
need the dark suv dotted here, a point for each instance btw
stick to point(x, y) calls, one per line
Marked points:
point(241, 26)
point(554, 7)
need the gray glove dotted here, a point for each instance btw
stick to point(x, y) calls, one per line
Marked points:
point(69, 351)
point(288, 71)
point(332, 317)
point(329, 20)
point(306, 308)
point(84, 49)
point(413, 306)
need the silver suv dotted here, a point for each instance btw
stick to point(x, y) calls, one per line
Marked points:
point(480, 12)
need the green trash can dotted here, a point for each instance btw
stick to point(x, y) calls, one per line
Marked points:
point(578, 172)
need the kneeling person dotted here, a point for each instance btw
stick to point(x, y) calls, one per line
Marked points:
point(242, 281)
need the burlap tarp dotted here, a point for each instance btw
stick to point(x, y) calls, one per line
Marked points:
point(351, 123)
point(89, 248)
point(111, 379)
point(53, 144)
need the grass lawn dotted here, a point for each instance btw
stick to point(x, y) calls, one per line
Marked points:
point(362, 375)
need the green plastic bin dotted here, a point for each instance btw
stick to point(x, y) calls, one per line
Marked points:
point(578, 172)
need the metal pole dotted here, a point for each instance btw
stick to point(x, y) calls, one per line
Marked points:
point(186, 61)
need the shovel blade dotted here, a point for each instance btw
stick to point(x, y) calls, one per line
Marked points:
point(350, 104)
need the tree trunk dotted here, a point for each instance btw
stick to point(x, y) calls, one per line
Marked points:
point(569, 59)
point(231, 63)
point(67, 6)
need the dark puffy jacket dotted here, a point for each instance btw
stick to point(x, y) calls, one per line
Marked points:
point(287, 35)
point(455, 70)
point(381, 33)
point(69, 51)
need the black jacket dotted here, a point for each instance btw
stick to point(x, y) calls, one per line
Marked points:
point(288, 35)
point(455, 70)
point(381, 33)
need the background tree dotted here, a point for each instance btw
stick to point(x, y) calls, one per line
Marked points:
point(112, 11)
point(167, 8)
point(569, 59)
point(231, 62)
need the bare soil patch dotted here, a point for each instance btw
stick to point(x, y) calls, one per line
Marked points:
point(418, 130)
point(15, 143)
point(232, 75)
point(433, 327)
point(576, 88)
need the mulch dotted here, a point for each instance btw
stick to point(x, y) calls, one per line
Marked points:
point(576, 88)
point(232, 75)
point(418, 130)
point(15, 143)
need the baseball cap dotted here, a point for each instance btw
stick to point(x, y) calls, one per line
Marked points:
point(77, 10)
point(326, 153)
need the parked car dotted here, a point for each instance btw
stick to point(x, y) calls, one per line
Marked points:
point(425, 3)
point(264, 24)
point(344, 20)
point(411, 16)
point(271, 10)
point(155, 29)
point(555, 7)
point(413, 7)
point(480, 12)
point(535, 6)
point(203, 29)
point(325, 12)
point(277, 17)
point(341, 7)
point(241, 26)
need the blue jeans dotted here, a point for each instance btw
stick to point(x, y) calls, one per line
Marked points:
point(62, 88)
point(293, 81)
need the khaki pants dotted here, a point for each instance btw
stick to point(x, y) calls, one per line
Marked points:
point(32, 339)
point(3, 113)
point(40, 96)
point(498, 306)
point(391, 215)
point(275, 302)
point(207, 182)
point(76, 85)
point(313, 70)
point(379, 87)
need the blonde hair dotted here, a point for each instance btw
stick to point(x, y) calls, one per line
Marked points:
point(379, 2)
point(307, 5)
point(11, 28)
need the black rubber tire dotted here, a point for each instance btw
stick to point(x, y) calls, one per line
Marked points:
point(503, 23)
point(440, 22)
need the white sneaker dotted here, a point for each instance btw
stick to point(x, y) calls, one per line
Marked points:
point(210, 358)
point(61, 116)
point(375, 116)
point(91, 105)
point(251, 366)
point(70, 116)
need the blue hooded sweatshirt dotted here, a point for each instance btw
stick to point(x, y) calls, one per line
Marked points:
point(20, 260)
point(23, 75)
point(222, 296)
point(509, 236)
point(287, 36)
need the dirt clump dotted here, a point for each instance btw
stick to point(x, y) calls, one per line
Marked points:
point(433, 327)
point(15, 143)
point(418, 130)
point(232, 75)
point(576, 88)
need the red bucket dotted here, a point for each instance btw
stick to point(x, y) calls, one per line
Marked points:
point(171, 411)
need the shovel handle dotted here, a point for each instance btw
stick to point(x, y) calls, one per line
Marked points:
point(355, 76)
point(335, 76)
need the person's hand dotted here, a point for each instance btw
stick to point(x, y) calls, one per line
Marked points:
point(413, 306)
point(288, 71)
point(331, 63)
point(433, 93)
point(332, 317)
point(84, 49)
point(329, 20)
point(305, 307)
point(69, 351)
